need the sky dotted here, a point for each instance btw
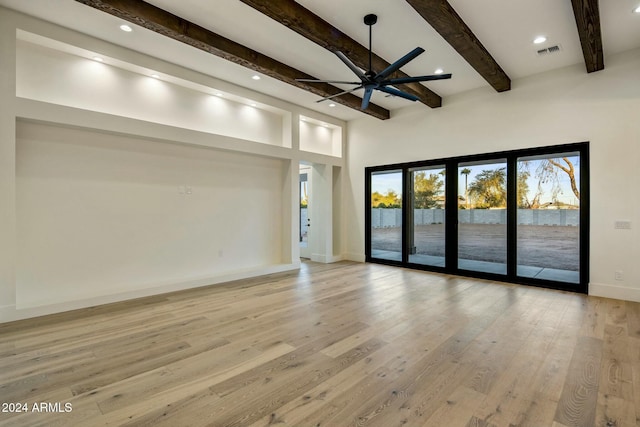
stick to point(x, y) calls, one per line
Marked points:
point(393, 181)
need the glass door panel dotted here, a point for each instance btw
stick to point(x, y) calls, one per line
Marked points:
point(304, 217)
point(305, 221)
point(482, 216)
point(427, 236)
point(548, 219)
point(386, 215)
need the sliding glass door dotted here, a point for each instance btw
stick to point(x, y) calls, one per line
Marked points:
point(482, 216)
point(426, 244)
point(518, 216)
point(548, 219)
point(386, 215)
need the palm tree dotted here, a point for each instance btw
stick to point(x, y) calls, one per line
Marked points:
point(466, 172)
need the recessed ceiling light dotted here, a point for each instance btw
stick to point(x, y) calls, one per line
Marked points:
point(253, 104)
point(256, 77)
point(155, 76)
point(438, 71)
point(540, 39)
point(97, 58)
point(126, 28)
point(218, 94)
point(636, 10)
point(332, 105)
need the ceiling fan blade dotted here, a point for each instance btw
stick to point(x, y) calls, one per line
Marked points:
point(328, 81)
point(396, 92)
point(341, 93)
point(399, 63)
point(350, 64)
point(402, 80)
point(366, 98)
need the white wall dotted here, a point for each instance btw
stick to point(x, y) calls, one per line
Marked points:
point(94, 182)
point(563, 106)
point(7, 163)
point(101, 214)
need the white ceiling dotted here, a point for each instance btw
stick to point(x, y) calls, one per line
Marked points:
point(505, 27)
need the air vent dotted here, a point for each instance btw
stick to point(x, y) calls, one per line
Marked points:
point(549, 50)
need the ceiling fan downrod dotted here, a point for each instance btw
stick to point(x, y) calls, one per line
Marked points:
point(370, 20)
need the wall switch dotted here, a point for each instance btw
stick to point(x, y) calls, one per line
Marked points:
point(622, 225)
point(619, 275)
point(188, 190)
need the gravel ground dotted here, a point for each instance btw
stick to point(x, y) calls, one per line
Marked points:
point(538, 245)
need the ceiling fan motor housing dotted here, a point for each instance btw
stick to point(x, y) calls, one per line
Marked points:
point(370, 19)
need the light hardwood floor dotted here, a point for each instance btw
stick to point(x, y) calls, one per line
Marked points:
point(332, 345)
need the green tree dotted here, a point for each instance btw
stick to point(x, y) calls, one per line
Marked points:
point(523, 189)
point(304, 198)
point(427, 189)
point(388, 200)
point(488, 189)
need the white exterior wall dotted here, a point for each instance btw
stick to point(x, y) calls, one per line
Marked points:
point(388, 217)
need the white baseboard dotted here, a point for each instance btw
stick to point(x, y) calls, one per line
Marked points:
point(326, 259)
point(615, 292)
point(9, 313)
point(353, 256)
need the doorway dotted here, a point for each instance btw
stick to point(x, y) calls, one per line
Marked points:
point(305, 220)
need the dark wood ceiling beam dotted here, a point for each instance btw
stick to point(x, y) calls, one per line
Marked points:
point(167, 24)
point(319, 31)
point(587, 16)
point(444, 19)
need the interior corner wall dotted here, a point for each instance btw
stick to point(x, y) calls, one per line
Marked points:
point(101, 214)
point(558, 107)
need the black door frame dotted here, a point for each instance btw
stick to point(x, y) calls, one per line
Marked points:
point(451, 214)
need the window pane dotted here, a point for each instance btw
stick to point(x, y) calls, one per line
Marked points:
point(386, 215)
point(428, 202)
point(482, 216)
point(548, 237)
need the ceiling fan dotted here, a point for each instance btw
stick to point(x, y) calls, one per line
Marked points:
point(370, 80)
